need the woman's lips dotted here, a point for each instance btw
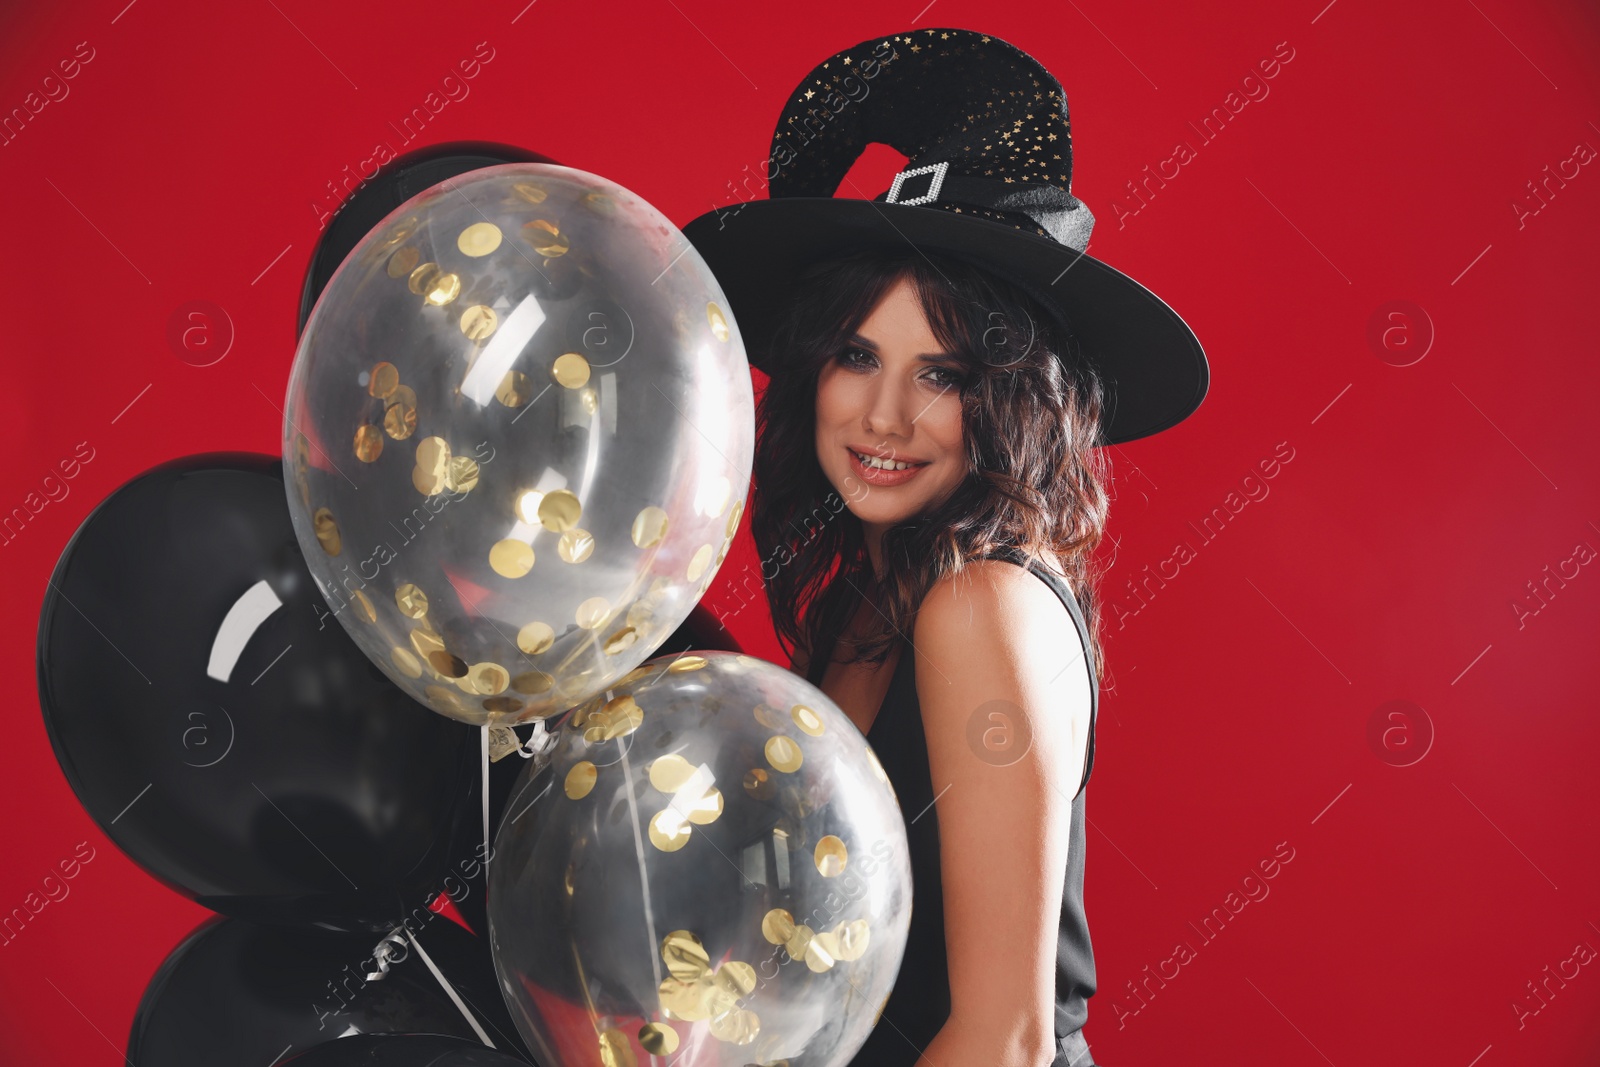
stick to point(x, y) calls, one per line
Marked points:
point(882, 478)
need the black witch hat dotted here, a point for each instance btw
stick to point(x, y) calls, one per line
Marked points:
point(988, 180)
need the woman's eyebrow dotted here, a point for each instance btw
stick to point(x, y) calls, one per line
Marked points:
point(926, 357)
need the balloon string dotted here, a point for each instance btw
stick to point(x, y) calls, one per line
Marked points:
point(449, 990)
point(538, 742)
point(484, 747)
point(382, 954)
point(639, 855)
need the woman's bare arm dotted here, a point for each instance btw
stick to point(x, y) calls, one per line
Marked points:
point(1007, 730)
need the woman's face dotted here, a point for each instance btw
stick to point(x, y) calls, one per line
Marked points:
point(892, 395)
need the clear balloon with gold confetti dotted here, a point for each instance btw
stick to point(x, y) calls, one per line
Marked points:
point(518, 436)
point(711, 867)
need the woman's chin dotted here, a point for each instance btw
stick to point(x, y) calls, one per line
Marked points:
point(882, 517)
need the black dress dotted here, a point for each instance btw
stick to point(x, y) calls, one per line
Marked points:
point(920, 1001)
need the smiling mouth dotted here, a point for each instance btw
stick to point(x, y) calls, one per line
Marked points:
point(874, 463)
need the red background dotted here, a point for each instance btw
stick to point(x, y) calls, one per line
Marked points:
point(1384, 564)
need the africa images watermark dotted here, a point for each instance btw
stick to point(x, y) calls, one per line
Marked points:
point(1254, 888)
point(1545, 589)
point(1251, 489)
point(53, 89)
point(749, 585)
point(55, 886)
point(832, 506)
point(852, 89)
point(1253, 87)
point(455, 90)
point(1542, 190)
point(374, 967)
point(1539, 996)
point(55, 490)
point(412, 526)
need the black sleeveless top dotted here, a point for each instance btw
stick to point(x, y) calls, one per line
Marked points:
point(920, 1001)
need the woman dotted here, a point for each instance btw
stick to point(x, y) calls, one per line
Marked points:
point(937, 601)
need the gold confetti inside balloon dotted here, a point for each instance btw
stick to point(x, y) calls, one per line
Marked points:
point(668, 878)
point(518, 434)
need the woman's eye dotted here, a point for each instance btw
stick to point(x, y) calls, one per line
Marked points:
point(861, 359)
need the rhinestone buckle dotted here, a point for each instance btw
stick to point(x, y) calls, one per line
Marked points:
point(936, 169)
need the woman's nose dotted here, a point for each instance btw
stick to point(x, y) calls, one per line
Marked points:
point(889, 413)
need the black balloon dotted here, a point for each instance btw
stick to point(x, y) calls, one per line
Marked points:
point(221, 727)
point(235, 992)
point(396, 182)
point(401, 1050)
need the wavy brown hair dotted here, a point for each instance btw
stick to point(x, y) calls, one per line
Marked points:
point(1031, 415)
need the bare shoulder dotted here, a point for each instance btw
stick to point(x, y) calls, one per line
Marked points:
point(997, 632)
point(993, 599)
point(995, 645)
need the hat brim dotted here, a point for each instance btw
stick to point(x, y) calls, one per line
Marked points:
point(1151, 362)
